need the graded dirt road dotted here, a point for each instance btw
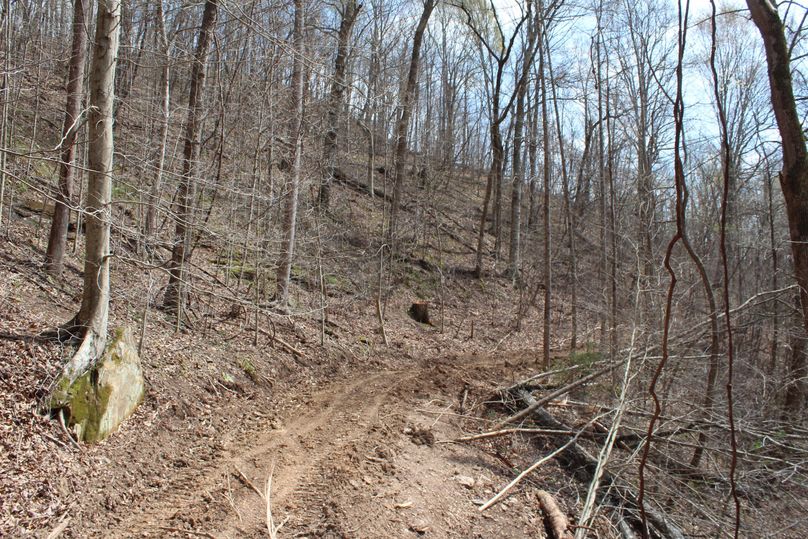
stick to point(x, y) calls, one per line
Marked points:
point(358, 458)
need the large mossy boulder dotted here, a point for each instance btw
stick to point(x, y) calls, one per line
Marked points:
point(102, 398)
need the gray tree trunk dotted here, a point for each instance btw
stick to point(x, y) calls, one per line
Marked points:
point(350, 12)
point(292, 186)
point(404, 116)
point(154, 193)
point(93, 316)
point(794, 176)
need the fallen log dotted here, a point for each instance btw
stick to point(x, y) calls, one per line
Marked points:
point(342, 178)
point(557, 521)
point(524, 384)
point(575, 457)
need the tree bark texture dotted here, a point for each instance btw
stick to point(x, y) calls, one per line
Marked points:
point(335, 102)
point(292, 185)
point(93, 316)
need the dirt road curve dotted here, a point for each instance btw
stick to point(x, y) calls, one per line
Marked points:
point(355, 459)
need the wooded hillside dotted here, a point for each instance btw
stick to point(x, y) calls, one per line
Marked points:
point(561, 243)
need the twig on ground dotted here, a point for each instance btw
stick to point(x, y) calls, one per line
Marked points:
point(273, 531)
point(555, 394)
point(189, 532)
point(285, 345)
point(57, 531)
point(230, 500)
point(67, 432)
point(248, 482)
point(532, 467)
point(504, 432)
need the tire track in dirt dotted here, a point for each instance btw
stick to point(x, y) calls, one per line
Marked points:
point(296, 448)
point(321, 457)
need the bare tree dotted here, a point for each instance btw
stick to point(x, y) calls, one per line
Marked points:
point(405, 111)
point(514, 257)
point(93, 316)
point(176, 291)
point(165, 109)
point(57, 241)
point(296, 139)
point(485, 24)
point(349, 12)
point(794, 175)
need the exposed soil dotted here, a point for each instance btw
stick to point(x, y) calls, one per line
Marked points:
point(352, 432)
point(362, 457)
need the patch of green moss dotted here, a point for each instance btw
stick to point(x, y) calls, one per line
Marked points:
point(249, 369)
point(585, 358)
point(236, 270)
point(297, 273)
point(87, 402)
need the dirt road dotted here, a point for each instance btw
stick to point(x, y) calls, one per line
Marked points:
point(359, 458)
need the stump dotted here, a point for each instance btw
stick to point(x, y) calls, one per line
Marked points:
point(419, 311)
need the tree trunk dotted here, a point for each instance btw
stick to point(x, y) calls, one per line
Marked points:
point(569, 214)
point(154, 193)
point(546, 205)
point(404, 116)
point(794, 176)
point(351, 10)
point(57, 240)
point(292, 186)
point(796, 373)
point(93, 316)
point(175, 295)
point(494, 179)
point(514, 260)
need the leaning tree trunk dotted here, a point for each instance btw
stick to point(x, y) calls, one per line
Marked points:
point(57, 240)
point(293, 185)
point(351, 10)
point(175, 295)
point(794, 176)
point(405, 113)
point(93, 316)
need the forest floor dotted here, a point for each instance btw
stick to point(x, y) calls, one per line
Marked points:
point(356, 435)
point(353, 433)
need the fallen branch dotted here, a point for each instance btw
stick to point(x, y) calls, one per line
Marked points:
point(575, 457)
point(189, 532)
point(503, 432)
point(343, 179)
point(285, 345)
point(532, 379)
point(57, 531)
point(525, 473)
point(555, 394)
point(556, 520)
point(248, 482)
point(273, 530)
point(65, 430)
